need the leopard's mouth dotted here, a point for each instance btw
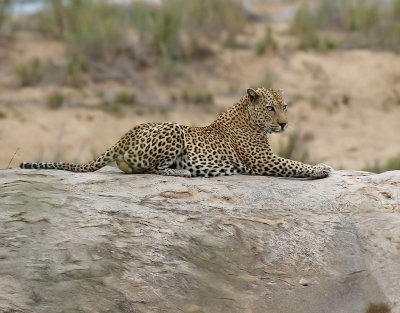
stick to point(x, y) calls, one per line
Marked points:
point(276, 129)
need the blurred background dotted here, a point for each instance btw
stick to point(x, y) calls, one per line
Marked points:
point(76, 75)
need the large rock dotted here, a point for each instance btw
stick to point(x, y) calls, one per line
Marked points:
point(111, 242)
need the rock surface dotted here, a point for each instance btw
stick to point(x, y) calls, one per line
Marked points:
point(111, 242)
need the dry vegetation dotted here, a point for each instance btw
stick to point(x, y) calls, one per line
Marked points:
point(364, 24)
point(75, 77)
point(144, 33)
point(378, 308)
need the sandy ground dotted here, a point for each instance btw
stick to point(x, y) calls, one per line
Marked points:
point(346, 103)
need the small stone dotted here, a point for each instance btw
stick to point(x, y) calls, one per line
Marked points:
point(304, 282)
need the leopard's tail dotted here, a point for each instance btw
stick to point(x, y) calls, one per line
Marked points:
point(107, 157)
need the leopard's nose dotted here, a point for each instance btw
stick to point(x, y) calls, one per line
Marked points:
point(282, 125)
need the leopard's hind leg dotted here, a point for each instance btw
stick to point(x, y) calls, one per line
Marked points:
point(123, 165)
point(154, 149)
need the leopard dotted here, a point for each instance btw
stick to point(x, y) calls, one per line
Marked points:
point(237, 142)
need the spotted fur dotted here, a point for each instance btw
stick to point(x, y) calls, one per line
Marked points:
point(237, 142)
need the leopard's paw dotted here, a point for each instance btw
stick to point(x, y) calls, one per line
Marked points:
point(321, 170)
point(183, 173)
point(176, 172)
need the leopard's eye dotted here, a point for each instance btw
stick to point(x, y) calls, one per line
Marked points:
point(270, 108)
point(284, 107)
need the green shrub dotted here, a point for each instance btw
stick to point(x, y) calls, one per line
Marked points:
point(374, 24)
point(115, 111)
point(174, 30)
point(125, 97)
point(49, 22)
point(93, 29)
point(267, 82)
point(346, 100)
point(363, 16)
point(159, 28)
point(218, 20)
point(294, 148)
point(173, 97)
point(55, 100)
point(305, 26)
point(167, 34)
point(4, 12)
point(197, 97)
point(111, 103)
point(267, 43)
point(30, 73)
point(391, 164)
point(75, 75)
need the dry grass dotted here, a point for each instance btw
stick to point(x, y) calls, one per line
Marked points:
point(305, 26)
point(88, 28)
point(176, 30)
point(101, 34)
point(4, 11)
point(391, 164)
point(294, 148)
point(75, 76)
point(378, 308)
point(55, 100)
point(30, 73)
point(197, 97)
point(267, 42)
point(125, 97)
point(181, 30)
point(370, 24)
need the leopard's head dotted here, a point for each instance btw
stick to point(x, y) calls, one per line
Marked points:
point(267, 109)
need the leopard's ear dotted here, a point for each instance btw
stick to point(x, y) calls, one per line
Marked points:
point(252, 94)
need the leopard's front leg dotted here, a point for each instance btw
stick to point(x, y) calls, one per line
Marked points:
point(277, 166)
